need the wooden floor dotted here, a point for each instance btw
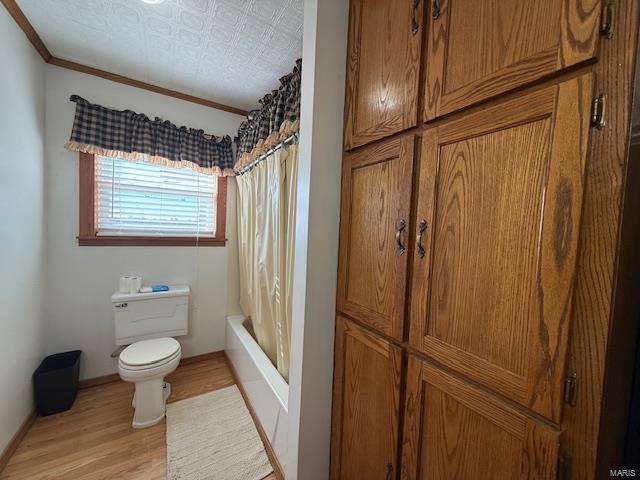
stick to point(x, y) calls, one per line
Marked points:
point(95, 440)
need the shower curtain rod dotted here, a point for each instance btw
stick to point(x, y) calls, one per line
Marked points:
point(290, 139)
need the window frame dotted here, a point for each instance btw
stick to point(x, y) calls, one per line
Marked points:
point(87, 229)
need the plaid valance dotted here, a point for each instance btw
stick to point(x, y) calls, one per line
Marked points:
point(134, 136)
point(278, 116)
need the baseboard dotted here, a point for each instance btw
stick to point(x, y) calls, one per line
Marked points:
point(202, 357)
point(97, 381)
point(114, 377)
point(12, 446)
point(277, 468)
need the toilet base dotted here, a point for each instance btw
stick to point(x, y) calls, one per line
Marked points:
point(149, 407)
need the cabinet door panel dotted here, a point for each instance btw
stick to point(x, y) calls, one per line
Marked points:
point(376, 197)
point(501, 190)
point(477, 49)
point(366, 405)
point(453, 430)
point(382, 69)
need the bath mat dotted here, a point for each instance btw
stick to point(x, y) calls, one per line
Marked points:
point(212, 436)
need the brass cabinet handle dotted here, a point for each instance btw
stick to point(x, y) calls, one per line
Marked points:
point(435, 9)
point(421, 230)
point(415, 26)
point(389, 470)
point(401, 227)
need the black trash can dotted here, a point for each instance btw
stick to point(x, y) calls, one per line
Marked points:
point(55, 382)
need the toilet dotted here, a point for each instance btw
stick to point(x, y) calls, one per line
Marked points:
point(147, 323)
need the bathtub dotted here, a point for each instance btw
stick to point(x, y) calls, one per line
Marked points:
point(265, 387)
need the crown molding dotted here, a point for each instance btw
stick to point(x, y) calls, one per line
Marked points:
point(114, 77)
point(21, 20)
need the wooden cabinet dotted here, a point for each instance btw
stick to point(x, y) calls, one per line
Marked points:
point(477, 49)
point(487, 244)
point(383, 68)
point(453, 430)
point(366, 405)
point(501, 193)
point(374, 231)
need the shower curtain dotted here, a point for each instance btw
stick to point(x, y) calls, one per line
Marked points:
point(266, 231)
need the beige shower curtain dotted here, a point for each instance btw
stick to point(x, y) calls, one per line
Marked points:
point(266, 231)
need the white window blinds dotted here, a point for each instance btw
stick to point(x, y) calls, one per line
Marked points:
point(144, 199)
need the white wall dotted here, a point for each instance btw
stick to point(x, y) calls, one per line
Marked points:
point(82, 279)
point(22, 256)
point(316, 259)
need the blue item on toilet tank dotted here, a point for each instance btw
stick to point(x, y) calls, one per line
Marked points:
point(155, 288)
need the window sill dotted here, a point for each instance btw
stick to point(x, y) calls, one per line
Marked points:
point(150, 242)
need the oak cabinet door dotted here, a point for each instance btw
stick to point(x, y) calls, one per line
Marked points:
point(501, 194)
point(455, 431)
point(374, 226)
point(477, 49)
point(383, 66)
point(366, 405)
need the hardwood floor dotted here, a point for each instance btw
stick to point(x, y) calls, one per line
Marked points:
point(94, 440)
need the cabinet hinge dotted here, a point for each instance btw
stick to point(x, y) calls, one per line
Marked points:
point(570, 389)
point(598, 112)
point(564, 464)
point(606, 20)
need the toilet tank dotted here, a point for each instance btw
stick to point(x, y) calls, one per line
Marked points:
point(141, 316)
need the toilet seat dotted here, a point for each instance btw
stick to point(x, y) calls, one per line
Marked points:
point(152, 366)
point(149, 354)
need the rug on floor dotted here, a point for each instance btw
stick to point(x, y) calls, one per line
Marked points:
point(212, 436)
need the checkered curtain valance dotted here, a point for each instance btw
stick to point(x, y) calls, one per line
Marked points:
point(277, 118)
point(134, 136)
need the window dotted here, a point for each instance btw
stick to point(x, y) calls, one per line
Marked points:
point(143, 199)
point(140, 203)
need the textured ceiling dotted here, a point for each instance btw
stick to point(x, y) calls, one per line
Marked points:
point(228, 51)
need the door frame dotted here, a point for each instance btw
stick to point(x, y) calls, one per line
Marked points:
point(624, 326)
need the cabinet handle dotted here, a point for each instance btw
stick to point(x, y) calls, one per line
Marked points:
point(415, 26)
point(389, 470)
point(435, 9)
point(421, 230)
point(401, 227)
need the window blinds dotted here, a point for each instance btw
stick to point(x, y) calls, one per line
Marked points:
point(144, 199)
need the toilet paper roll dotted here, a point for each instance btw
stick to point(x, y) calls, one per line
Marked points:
point(125, 284)
point(136, 284)
point(130, 284)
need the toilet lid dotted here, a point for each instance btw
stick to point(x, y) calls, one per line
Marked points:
point(147, 352)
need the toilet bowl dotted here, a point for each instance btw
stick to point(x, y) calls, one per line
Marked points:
point(146, 363)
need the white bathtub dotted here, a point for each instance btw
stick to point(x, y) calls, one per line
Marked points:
point(265, 387)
